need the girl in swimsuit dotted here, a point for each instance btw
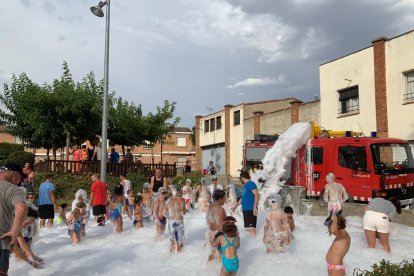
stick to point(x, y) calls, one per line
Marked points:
point(74, 225)
point(138, 212)
point(115, 213)
point(230, 242)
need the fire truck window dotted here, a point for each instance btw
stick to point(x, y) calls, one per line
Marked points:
point(316, 156)
point(353, 158)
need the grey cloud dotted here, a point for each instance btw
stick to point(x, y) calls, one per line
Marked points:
point(70, 19)
point(49, 7)
point(25, 3)
point(61, 38)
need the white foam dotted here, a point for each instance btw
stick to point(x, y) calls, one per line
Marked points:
point(277, 159)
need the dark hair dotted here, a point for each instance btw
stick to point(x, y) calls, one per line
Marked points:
point(138, 199)
point(288, 210)
point(63, 205)
point(123, 174)
point(80, 205)
point(396, 203)
point(119, 190)
point(244, 174)
point(218, 194)
point(341, 222)
point(32, 213)
point(229, 226)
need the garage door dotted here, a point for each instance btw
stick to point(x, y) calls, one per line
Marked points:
point(217, 155)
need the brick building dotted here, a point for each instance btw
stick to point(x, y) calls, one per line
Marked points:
point(371, 89)
point(220, 136)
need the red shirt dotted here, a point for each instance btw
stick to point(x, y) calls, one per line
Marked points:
point(99, 193)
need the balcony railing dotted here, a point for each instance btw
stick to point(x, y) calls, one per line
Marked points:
point(82, 167)
point(408, 98)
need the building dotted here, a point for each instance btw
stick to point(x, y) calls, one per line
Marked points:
point(371, 89)
point(220, 136)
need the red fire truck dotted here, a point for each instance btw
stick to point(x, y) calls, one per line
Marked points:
point(367, 167)
point(255, 150)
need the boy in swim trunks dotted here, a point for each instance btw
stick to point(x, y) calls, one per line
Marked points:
point(276, 235)
point(336, 225)
point(160, 219)
point(187, 194)
point(229, 243)
point(138, 212)
point(174, 210)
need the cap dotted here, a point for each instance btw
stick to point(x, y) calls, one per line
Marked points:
point(162, 189)
point(147, 185)
point(213, 177)
point(13, 167)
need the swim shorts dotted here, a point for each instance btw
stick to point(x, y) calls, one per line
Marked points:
point(176, 229)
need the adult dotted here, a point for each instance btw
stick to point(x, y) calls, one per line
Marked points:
point(174, 211)
point(187, 167)
point(249, 202)
point(113, 156)
point(12, 203)
point(158, 181)
point(81, 196)
point(97, 153)
point(214, 185)
point(76, 154)
point(211, 169)
point(91, 151)
point(377, 218)
point(129, 157)
point(27, 169)
point(98, 196)
point(47, 202)
point(215, 216)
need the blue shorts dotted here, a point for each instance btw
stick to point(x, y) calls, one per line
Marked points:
point(163, 220)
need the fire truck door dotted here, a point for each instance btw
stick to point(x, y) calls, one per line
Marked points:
point(351, 170)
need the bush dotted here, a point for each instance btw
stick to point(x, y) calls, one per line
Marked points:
point(6, 149)
point(21, 158)
point(405, 268)
point(195, 178)
point(68, 184)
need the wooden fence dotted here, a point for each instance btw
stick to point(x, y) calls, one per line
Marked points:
point(82, 167)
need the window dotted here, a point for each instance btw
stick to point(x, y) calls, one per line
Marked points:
point(314, 155)
point(147, 144)
point(409, 88)
point(218, 122)
point(354, 158)
point(348, 101)
point(236, 117)
point(206, 126)
point(181, 142)
point(213, 124)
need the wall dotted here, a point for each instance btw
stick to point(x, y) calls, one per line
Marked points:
point(266, 106)
point(236, 141)
point(310, 112)
point(358, 67)
point(399, 58)
point(212, 137)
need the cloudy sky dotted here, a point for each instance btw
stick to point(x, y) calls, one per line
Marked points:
point(203, 54)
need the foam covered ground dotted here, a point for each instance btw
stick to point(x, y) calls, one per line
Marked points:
point(137, 252)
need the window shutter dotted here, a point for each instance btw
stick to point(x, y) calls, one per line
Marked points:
point(348, 94)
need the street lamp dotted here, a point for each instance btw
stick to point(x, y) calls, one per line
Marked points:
point(97, 10)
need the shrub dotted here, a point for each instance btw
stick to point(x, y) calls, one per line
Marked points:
point(195, 178)
point(405, 268)
point(21, 158)
point(6, 149)
point(68, 184)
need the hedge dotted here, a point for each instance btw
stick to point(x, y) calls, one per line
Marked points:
point(21, 158)
point(7, 148)
point(405, 268)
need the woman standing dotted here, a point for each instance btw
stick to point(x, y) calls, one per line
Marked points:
point(377, 220)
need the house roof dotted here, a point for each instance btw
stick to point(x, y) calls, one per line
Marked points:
point(182, 129)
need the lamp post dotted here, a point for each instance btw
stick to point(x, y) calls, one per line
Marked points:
point(97, 10)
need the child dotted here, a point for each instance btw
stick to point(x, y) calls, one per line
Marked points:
point(187, 194)
point(146, 202)
point(336, 224)
point(115, 210)
point(74, 224)
point(138, 212)
point(276, 234)
point(229, 242)
point(130, 201)
point(81, 196)
point(335, 194)
point(204, 195)
point(82, 208)
point(62, 213)
point(289, 213)
point(160, 219)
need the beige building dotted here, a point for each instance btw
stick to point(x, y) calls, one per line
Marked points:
point(220, 136)
point(371, 89)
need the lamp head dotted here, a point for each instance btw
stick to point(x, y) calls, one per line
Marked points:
point(97, 10)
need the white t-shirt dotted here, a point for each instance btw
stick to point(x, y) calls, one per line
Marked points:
point(212, 188)
point(127, 187)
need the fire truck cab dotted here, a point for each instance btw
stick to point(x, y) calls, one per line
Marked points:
point(367, 167)
point(255, 150)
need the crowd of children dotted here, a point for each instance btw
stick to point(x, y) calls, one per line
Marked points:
point(222, 232)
